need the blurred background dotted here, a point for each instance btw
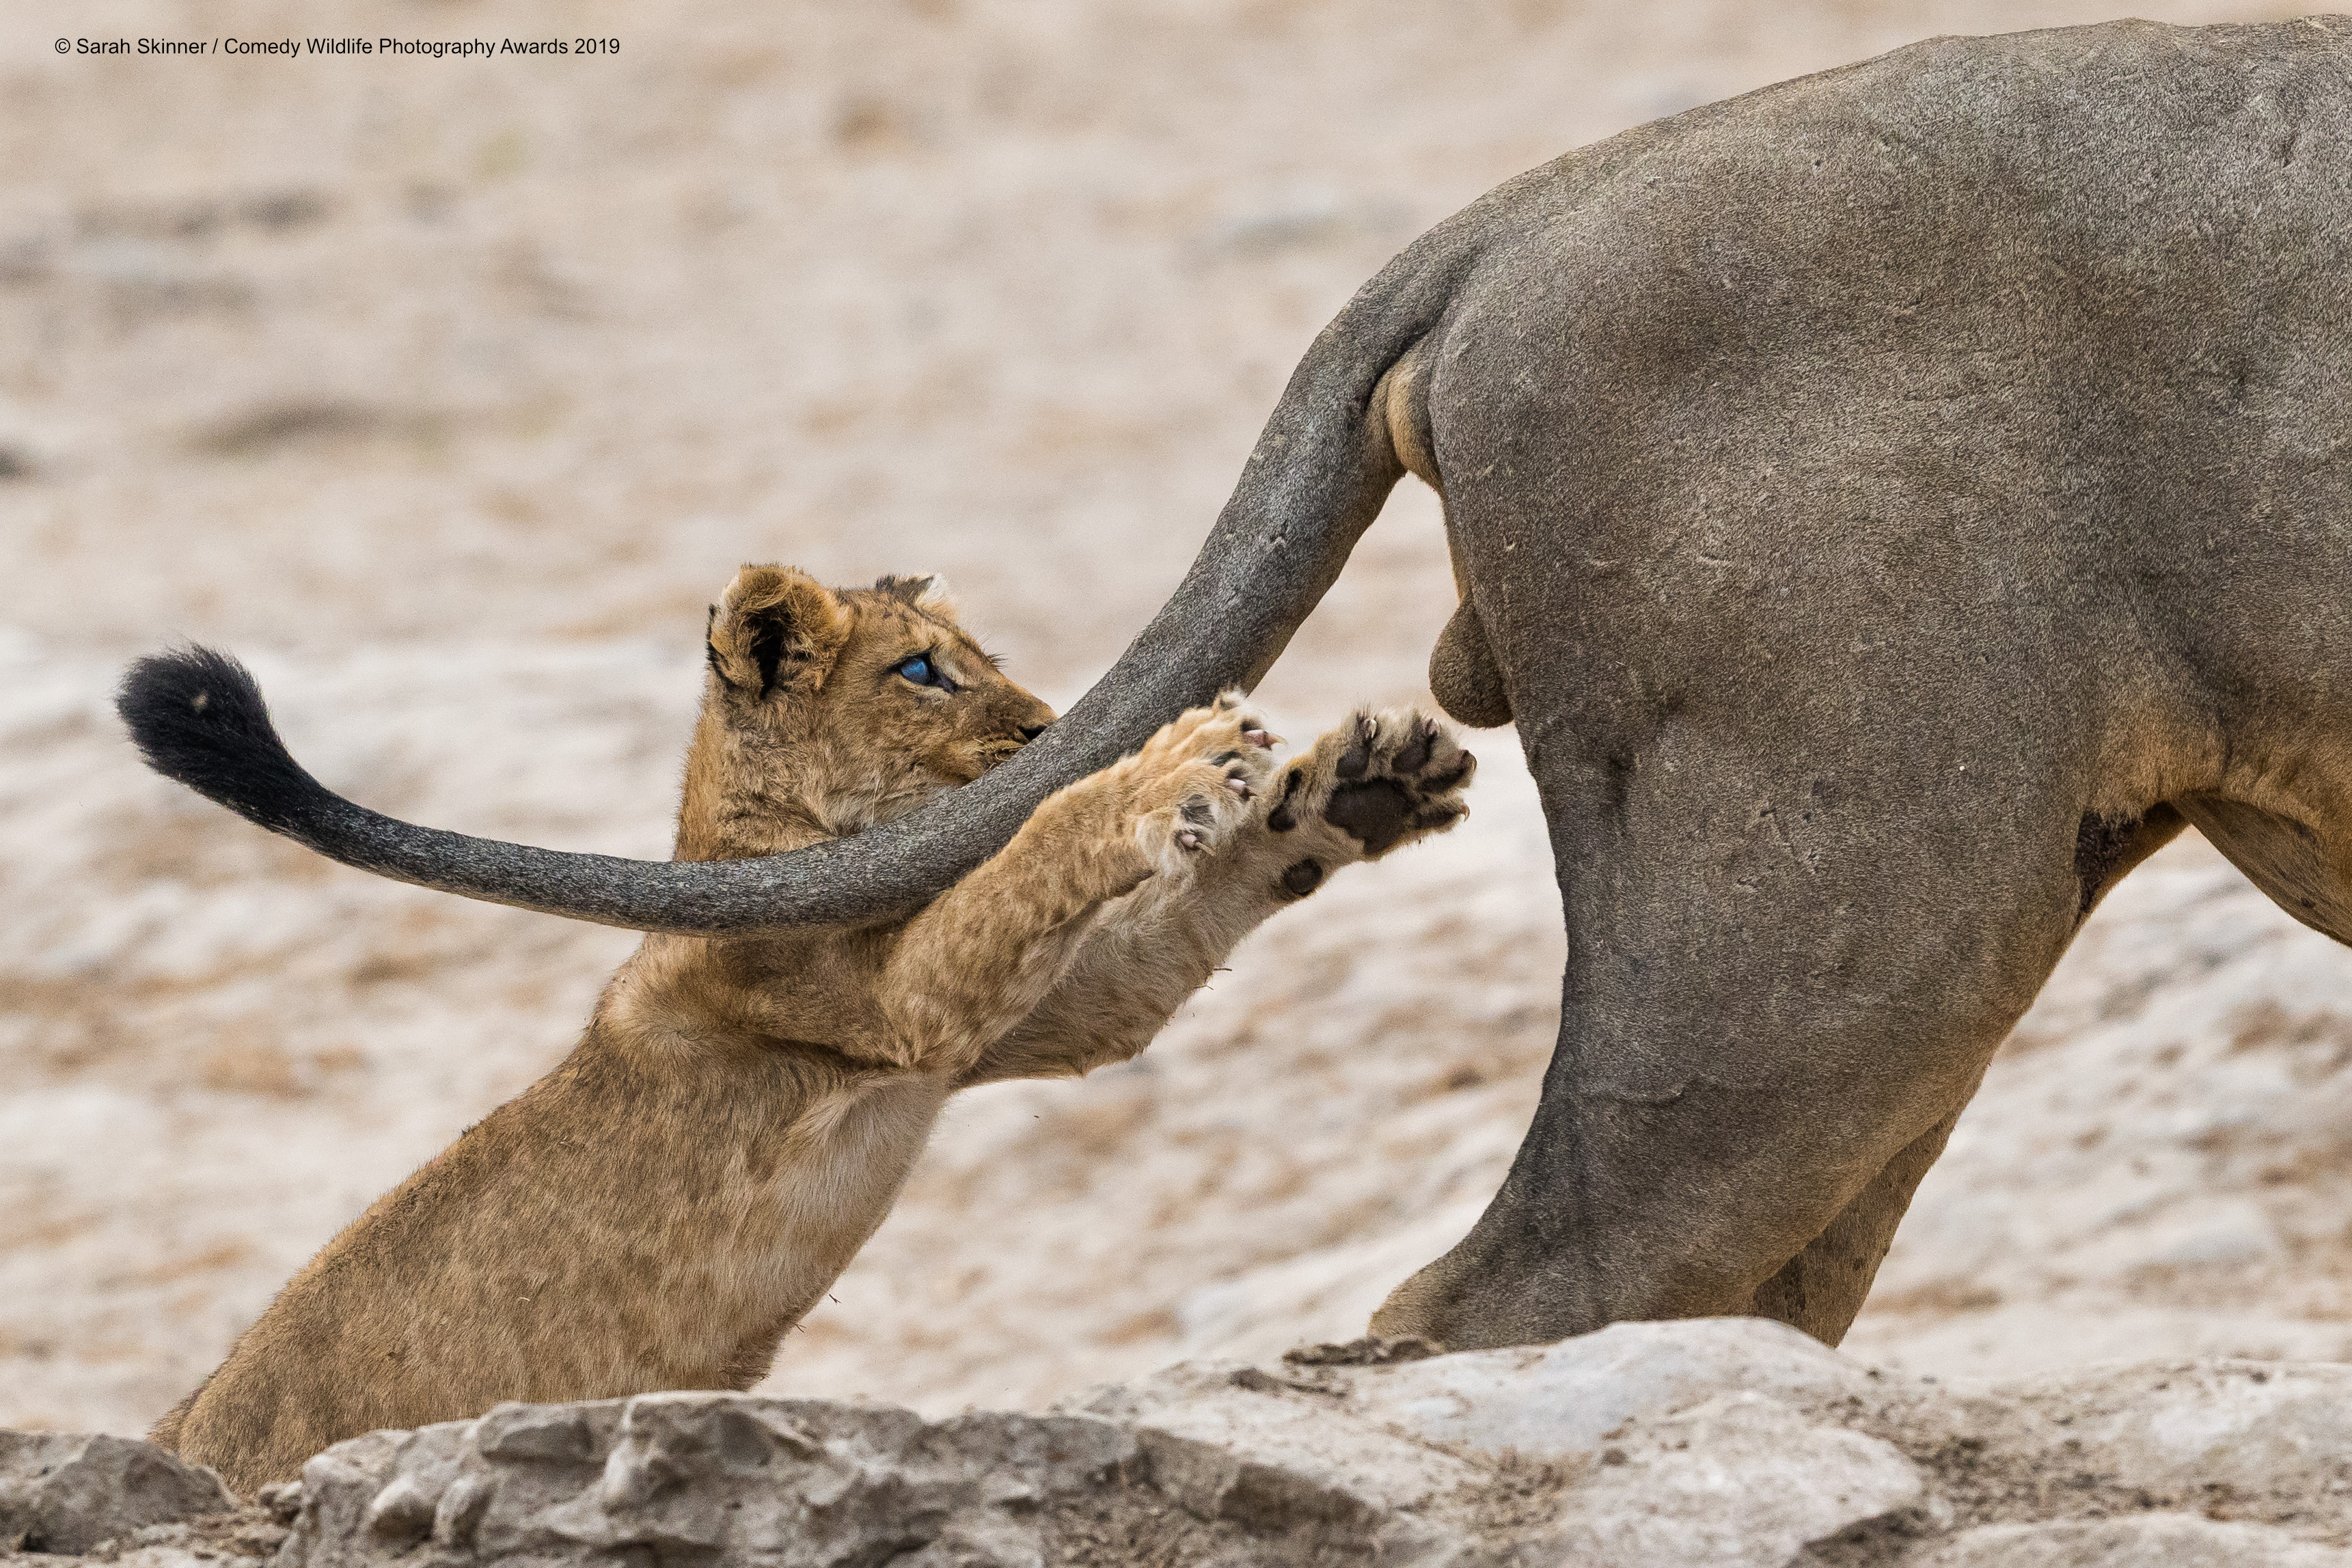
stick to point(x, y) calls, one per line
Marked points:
point(448, 393)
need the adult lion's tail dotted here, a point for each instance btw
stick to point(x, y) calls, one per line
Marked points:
point(1318, 476)
point(197, 717)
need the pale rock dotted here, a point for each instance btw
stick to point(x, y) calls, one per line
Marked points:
point(2138, 1541)
point(1559, 1401)
point(1723, 1444)
point(2238, 1430)
point(62, 1492)
point(1305, 1425)
point(1742, 1481)
point(1699, 1477)
point(797, 1484)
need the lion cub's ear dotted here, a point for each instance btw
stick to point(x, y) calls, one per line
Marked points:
point(775, 629)
point(927, 592)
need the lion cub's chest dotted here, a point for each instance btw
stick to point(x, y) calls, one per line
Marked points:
point(831, 1177)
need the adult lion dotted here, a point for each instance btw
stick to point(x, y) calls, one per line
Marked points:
point(1892, 504)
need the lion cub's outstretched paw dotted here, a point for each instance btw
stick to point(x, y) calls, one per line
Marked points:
point(1197, 782)
point(1383, 780)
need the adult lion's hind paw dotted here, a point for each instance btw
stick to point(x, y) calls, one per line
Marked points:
point(1383, 780)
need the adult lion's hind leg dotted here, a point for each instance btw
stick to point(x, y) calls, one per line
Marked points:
point(2284, 858)
point(1793, 945)
point(1823, 1288)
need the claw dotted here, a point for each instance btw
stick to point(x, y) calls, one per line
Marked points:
point(1187, 839)
point(1238, 785)
point(1260, 738)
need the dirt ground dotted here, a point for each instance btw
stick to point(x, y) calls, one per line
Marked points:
point(449, 390)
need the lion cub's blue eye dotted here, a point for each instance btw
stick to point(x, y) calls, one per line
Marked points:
point(920, 670)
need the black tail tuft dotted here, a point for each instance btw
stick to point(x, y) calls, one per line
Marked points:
point(197, 717)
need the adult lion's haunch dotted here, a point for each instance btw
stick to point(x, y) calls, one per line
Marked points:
point(1891, 504)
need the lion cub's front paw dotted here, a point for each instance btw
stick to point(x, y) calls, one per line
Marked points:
point(1383, 779)
point(1195, 783)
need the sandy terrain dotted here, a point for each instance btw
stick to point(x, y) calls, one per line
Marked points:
point(449, 392)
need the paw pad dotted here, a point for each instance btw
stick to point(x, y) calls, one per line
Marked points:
point(1395, 778)
point(1281, 818)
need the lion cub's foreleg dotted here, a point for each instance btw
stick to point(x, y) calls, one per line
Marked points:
point(1377, 782)
point(991, 949)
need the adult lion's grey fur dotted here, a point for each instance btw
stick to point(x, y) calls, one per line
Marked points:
point(1892, 503)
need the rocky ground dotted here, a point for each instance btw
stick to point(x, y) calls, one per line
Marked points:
point(1724, 1444)
point(449, 392)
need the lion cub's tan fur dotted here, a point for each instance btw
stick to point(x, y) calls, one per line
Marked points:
point(659, 1210)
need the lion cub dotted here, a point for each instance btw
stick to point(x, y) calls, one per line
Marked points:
point(659, 1210)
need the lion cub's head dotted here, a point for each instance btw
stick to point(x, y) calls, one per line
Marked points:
point(827, 712)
